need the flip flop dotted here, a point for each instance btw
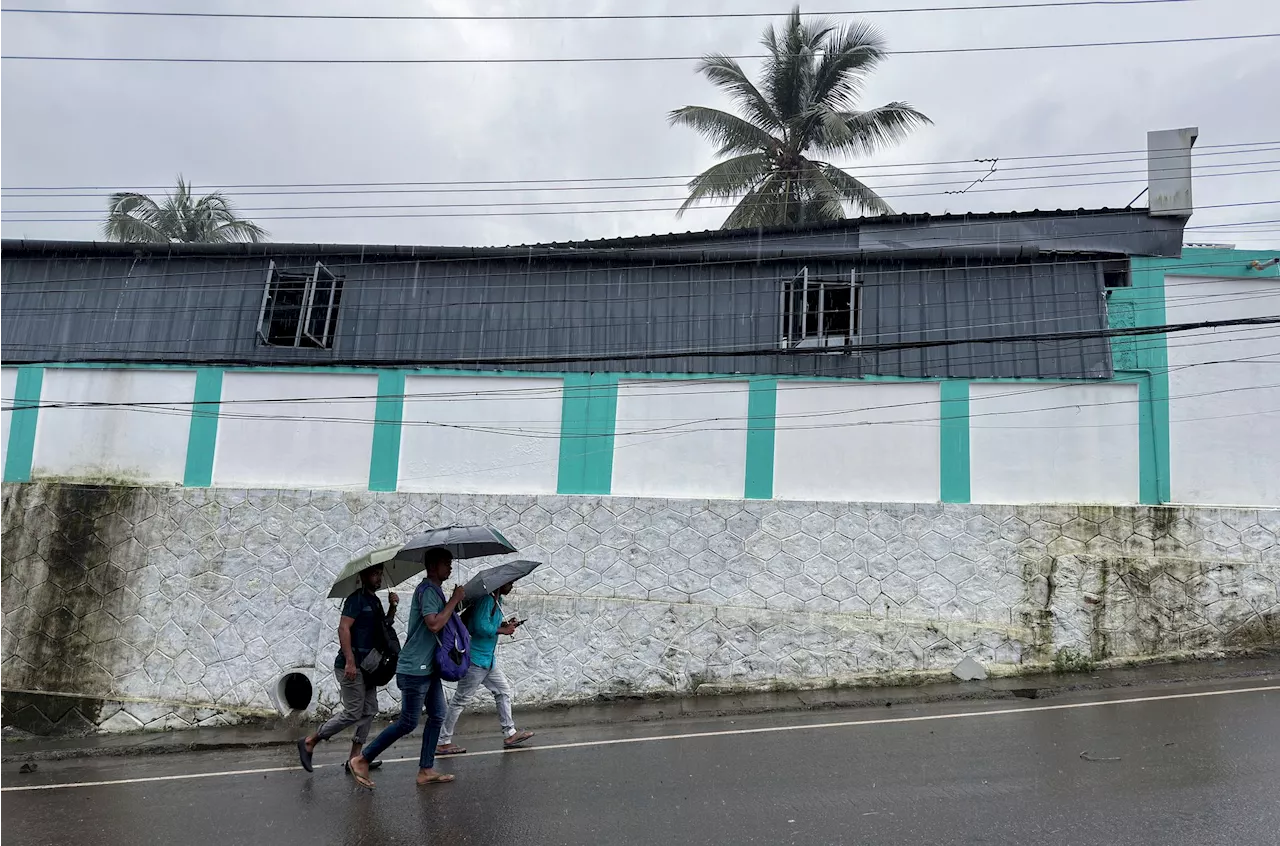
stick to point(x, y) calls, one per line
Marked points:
point(516, 739)
point(451, 749)
point(346, 766)
point(437, 778)
point(304, 755)
point(360, 780)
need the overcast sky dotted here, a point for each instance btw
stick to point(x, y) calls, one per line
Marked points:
point(134, 126)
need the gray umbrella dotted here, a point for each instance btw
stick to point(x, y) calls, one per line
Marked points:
point(401, 563)
point(462, 541)
point(487, 581)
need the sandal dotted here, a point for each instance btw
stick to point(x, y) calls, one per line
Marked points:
point(516, 739)
point(362, 780)
point(435, 778)
point(451, 749)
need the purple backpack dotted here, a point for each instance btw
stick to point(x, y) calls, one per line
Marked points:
point(453, 644)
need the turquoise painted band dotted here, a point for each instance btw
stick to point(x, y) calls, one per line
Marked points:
point(21, 448)
point(388, 424)
point(202, 437)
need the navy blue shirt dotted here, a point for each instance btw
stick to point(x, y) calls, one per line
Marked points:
point(364, 631)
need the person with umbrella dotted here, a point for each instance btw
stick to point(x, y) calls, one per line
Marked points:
point(417, 675)
point(359, 632)
point(485, 620)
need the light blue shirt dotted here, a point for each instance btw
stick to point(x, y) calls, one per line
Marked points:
point(482, 620)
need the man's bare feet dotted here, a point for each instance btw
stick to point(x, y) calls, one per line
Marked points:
point(433, 777)
point(360, 771)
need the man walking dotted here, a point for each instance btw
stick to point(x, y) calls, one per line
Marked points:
point(417, 675)
point(359, 631)
point(485, 622)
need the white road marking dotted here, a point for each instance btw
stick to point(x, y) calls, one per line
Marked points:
point(584, 744)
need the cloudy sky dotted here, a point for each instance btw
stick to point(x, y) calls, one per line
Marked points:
point(135, 126)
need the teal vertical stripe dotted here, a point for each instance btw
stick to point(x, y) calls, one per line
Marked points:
point(22, 424)
point(588, 418)
point(762, 415)
point(388, 417)
point(1142, 304)
point(202, 437)
point(953, 483)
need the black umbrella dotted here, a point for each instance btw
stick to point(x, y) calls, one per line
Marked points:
point(462, 541)
point(487, 581)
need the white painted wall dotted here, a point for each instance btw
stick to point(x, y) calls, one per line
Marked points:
point(680, 439)
point(1053, 443)
point(138, 444)
point(1224, 419)
point(295, 444)
point(8, 382)
point(871, 443)
point(519, 454)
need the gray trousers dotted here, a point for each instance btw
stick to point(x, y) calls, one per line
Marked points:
point(490, 677)
point(359, 707)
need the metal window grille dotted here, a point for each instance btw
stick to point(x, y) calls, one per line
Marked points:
point(821, 313)
point(299, 307)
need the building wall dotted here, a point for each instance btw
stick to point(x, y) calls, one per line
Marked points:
point(870, 442)
point(1224, 384)
point(839, 440)
point(118, 438)
point(683, 439)
point(480, 435)
point(8, 382)
point(163, 606)
point(1054, 443)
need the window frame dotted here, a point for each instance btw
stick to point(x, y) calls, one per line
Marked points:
point(276, 277)
point(795, 312)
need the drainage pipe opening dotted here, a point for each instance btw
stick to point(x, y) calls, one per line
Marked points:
point(293, 693)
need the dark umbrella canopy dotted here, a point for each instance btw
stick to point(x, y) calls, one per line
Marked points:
point(462, 541)
point(402, 563)
point(487, 581)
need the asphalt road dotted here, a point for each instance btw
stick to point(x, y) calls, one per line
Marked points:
point(1186, 765)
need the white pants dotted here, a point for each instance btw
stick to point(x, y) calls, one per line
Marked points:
point(496, 682)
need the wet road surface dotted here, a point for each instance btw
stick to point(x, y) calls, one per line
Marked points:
point(1193, 764)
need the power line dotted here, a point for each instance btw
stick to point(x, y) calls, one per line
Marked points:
point(684, 426)
point(555, 392)
point(1200, 150)
point(459, 360)
point(668, 199)
point(544, 60)
point(606, 17)
point(700, 206)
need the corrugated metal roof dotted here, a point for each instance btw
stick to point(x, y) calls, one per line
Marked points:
point(997, 234)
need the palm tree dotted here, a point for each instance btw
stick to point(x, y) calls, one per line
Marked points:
point(803, 112)
point(181, 216)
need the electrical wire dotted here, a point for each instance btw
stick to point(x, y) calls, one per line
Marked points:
point(557, 391)
point(1143, 174)
point(1196, 159)
point(548, 60)
point(1199, 151)
point(1054, 4)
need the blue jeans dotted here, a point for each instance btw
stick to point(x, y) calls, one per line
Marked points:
point(415, 692)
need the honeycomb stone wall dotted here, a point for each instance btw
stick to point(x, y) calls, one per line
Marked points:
point(169, 607)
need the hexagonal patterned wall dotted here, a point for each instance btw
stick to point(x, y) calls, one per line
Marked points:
point(168, 607)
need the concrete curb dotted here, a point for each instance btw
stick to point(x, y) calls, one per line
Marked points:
point(279, 733)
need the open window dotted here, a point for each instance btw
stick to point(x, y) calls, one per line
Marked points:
point(300, 307)
point(1115, 274)
point(821, 312)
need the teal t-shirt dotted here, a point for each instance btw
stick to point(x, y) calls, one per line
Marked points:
point(418, 654)
point(482, 620)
